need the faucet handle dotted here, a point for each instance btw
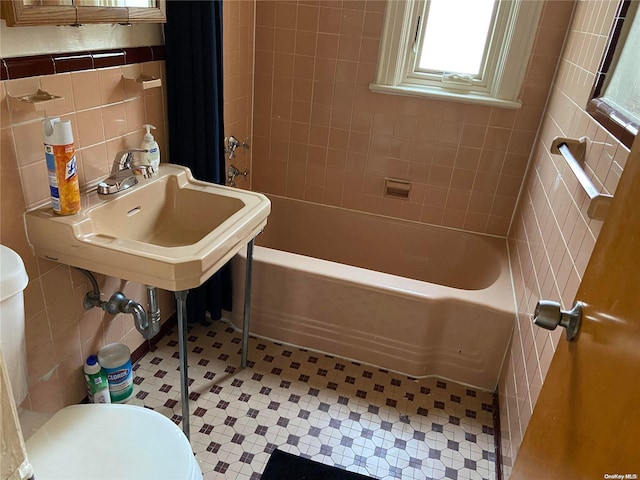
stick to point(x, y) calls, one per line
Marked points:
point(124, 159)
point(111, 185)
point(233, 172)
point(232, 143)
point(147, 171)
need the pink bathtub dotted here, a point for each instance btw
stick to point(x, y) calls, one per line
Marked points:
point(407, 297)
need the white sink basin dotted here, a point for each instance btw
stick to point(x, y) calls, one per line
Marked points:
point(170, 231)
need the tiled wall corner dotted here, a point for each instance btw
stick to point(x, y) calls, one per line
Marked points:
point(238, 22)
point(552, 237)
point(106, 117)
point(321, 135)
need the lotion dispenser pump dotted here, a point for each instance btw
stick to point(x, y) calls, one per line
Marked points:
point(152, 157)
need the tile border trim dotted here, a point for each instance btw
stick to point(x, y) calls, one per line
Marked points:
point(49, 64)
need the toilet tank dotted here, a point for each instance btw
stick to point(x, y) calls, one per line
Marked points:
point(13, 281)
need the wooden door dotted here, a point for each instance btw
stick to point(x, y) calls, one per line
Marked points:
point(586, 423)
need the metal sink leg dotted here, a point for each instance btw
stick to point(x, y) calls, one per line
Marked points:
point(181, 299)
point(247, 305)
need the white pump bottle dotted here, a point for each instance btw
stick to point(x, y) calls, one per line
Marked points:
point(152, 157)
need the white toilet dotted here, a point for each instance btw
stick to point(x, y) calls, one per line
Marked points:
point(101, 441)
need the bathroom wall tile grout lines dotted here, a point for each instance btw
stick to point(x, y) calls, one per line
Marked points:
point(354, 416)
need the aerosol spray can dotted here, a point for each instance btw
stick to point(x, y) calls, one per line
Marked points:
point(61, 165)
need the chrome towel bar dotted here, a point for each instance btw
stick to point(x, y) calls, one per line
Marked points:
point(573, 152)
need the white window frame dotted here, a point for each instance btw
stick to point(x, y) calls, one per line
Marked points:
point(508, 56)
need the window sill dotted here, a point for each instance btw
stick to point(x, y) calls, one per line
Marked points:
point(442, 94)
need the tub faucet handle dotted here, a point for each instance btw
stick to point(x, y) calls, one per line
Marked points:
point(233, 172)
point(232, 144)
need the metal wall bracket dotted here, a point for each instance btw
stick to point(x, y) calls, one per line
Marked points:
point(578, 147)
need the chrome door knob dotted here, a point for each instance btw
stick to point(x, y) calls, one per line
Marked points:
point(549, 315)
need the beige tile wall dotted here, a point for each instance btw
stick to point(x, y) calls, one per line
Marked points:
point(107, 116)
point(552, 237)
point(321, 135)
point(238, 20)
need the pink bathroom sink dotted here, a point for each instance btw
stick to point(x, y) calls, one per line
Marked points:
point(170, 231)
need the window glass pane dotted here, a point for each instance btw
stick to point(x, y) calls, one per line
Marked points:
point(456, 35)
point(623, 90)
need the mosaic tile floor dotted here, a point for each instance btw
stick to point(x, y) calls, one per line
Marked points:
point(331, 410)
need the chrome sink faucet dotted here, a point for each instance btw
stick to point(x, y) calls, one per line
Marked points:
point(124, 171)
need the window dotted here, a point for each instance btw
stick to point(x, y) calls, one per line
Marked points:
point(616, 95)
point(464, 52)
point(474, 51)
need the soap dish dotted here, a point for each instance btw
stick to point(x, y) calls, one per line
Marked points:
point(37, 102)
point(143, 82)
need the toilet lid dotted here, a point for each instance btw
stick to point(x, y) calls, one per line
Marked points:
point(115, 442)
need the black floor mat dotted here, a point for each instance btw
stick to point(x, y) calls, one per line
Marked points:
point(285, 466)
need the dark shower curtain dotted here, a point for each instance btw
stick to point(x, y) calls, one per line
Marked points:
point(193, 56)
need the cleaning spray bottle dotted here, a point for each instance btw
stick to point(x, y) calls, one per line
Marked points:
point(96, 379)
point(152, 157)
point(61, 164)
